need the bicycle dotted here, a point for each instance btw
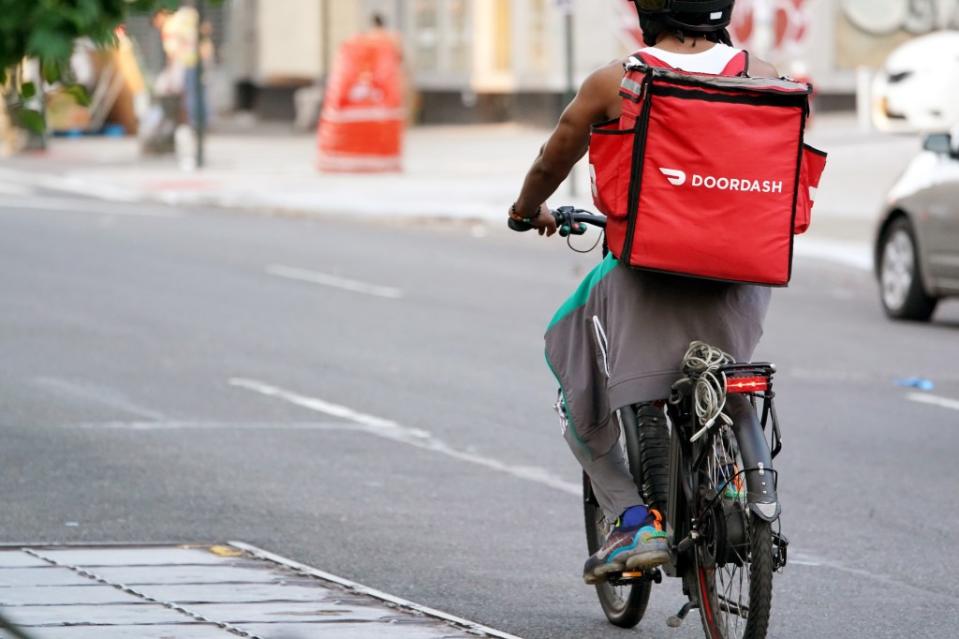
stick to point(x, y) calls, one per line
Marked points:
point(712, 479)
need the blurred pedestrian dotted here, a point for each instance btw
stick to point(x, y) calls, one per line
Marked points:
point(207, 56)
point(159, 120)
point(363, 119)
point(178, 35)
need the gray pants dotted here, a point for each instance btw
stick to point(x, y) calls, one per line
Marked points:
point(608, 470)
point(609, 474)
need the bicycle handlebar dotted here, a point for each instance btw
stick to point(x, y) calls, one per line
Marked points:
point(569, 220)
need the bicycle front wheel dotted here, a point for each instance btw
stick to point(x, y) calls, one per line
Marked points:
point(735, 561)
point(623, 605)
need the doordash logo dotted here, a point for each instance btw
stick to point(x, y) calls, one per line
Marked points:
point(743, 185)
point(675, 176)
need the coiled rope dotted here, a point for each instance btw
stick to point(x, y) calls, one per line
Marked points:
point(702, 366)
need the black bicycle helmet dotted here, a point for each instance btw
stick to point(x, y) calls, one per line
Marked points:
point(691, 16)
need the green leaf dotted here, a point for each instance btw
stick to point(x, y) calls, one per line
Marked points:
point(28, 90)
point(79, 93)
point(50, 43)
point(31, 120)
point(50, 70)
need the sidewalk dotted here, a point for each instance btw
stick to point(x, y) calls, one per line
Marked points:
point(460, 172)
point(201, 592)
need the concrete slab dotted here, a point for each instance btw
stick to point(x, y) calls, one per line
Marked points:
point(19, 559)
point(178, 631)
point(297, 612)
point(139, 556)
point(65, 595)
point(113, 615)
point(222, 574)
point(40, 576)
point(232, 593)
point(190, 592)
point(352, 631)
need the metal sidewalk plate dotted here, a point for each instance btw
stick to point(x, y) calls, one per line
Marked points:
point(201, 592)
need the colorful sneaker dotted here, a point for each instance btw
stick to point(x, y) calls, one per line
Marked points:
point(635, 547)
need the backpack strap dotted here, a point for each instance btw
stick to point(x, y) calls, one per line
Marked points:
point(631, 87)
point(738, 66)
point(653, 61)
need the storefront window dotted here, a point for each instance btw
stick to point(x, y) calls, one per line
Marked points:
point(539, 35)
point(440, 33)
point(458, 35)
point(426, 37)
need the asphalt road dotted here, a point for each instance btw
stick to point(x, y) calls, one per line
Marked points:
point(177, 378)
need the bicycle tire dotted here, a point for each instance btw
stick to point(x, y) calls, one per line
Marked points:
point(624, 606)
point(760, 589)
point(716, 621)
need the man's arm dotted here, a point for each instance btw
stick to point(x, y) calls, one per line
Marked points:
point(567, 144)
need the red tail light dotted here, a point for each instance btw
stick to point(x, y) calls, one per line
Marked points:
point(747, 384)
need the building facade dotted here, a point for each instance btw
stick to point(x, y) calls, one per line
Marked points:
point(492, 60)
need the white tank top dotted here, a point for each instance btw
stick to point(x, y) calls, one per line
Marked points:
point(713, 60)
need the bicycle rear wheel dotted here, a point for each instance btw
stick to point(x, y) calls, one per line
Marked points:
point(735, 563)
point(624, 605)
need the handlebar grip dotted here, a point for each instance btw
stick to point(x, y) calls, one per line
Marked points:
point(519, 226)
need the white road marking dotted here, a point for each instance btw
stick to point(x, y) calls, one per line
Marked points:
point(189, 425)
point(418, 438)
point(320, 406)
point(99, 207)
point(324, 279)
point(472, 627)
point(942, 402)
point(98, 394)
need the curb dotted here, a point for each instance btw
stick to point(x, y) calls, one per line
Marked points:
point(854, 255)
point(294, 204)
point(469, 626)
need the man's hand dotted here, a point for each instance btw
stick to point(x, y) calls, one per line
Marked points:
point(544, 222)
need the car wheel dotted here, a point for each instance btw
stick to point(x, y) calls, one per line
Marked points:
point(900, 281)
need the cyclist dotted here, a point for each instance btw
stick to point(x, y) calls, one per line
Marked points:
point(619, 339)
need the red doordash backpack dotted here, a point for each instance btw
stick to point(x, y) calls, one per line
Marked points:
point(706, 175)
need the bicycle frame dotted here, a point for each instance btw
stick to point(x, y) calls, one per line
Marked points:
point(687, 459)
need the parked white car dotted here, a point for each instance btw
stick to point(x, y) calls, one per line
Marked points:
point(917, 89)
point(917, 241)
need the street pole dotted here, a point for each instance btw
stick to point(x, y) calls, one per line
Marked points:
point(199, 101)
point(325, 34)
point(570, 79)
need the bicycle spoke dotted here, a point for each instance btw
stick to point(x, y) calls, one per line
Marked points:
point(733, 608)
point(730, 578)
